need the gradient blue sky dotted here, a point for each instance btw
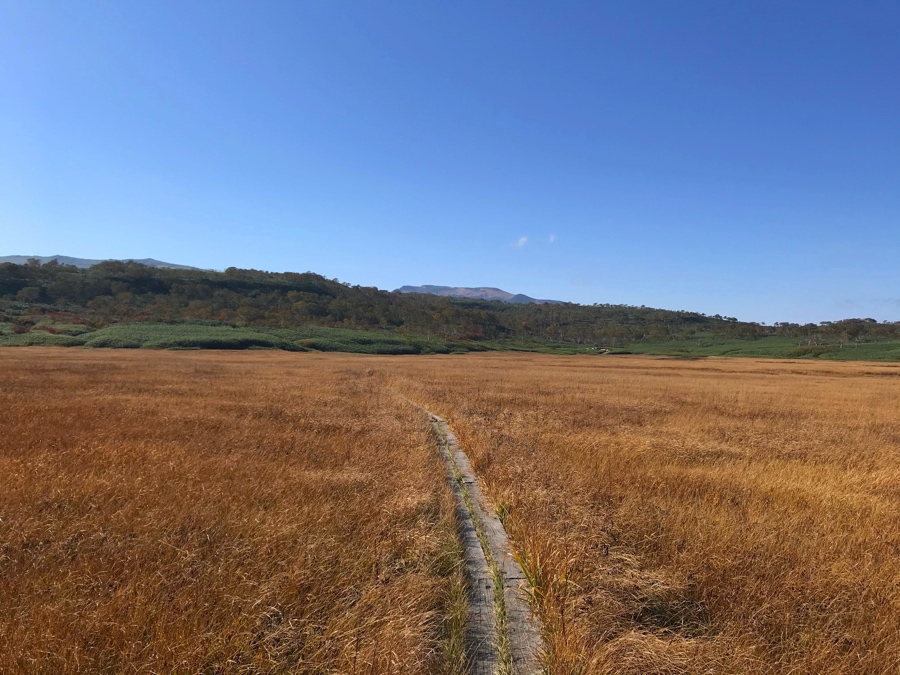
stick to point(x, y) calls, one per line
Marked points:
point(732, 157)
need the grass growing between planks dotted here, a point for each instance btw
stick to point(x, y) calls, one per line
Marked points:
point(501, 625)
point(715, 516)
point(209, 512)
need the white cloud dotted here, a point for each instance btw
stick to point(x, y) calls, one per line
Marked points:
point(522, 241)
point(551, 239)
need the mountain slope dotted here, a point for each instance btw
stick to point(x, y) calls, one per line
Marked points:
point(479, 293)
point(57, 303)
point(88, 262)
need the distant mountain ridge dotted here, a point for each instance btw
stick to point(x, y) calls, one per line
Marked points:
point(87, 262)
point(479, 293)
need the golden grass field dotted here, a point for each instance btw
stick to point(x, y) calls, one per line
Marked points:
point(714, 516)
point(217, 512)
point(275, 512)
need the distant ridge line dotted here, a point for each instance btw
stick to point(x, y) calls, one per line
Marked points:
point(477, 293)
point(89, 262)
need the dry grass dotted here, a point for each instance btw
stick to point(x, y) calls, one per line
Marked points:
point(273, 512)
point(717, 516)
point(209, 512)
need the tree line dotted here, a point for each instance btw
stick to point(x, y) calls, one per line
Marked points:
point(114, 292)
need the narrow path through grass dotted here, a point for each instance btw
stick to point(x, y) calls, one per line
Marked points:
point(503, 631)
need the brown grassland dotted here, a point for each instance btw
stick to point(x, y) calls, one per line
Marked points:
point(713, 516)
point(217, 512)
point(274, 512)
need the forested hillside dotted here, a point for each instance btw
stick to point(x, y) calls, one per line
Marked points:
point(51, 296)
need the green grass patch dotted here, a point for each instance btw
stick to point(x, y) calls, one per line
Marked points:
point(184, 336)
point(68, 328)
point(40, 338)
point(870, 351)
point(768, 347)
point(539, 346)
point(206, 335)
point(210, 335)
point(362, 342)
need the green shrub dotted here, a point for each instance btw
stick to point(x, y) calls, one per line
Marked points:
point(212, 342)
point(72, 328)
point(40, 339)
point(110, 342)
point(813, 350)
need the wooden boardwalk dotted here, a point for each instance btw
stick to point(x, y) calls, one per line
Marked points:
point(502, 633)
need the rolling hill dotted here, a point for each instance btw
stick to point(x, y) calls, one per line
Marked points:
point(88, 262)
point(479, 293)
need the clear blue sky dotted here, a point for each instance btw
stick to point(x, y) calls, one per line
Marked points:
point(731, 157)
